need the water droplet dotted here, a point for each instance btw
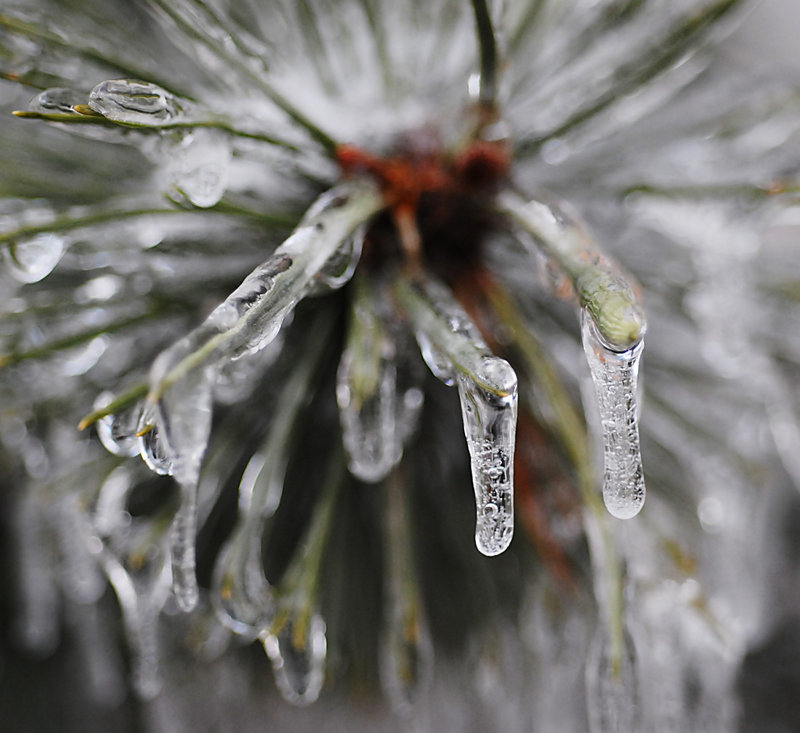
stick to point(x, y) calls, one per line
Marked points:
point(117, 432)
point(615, 377)
point(490, 419)
point(56, 101)
point(198, 166)
point(134, 102)
point(30, 260)
point(153, 445)
point(298, 659)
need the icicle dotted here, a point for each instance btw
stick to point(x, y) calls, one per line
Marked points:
point(134, 102)
point(36, 618)
point(602, 287)
point(298, 654)
point(80, 574)
point(117, 432)
point(406, 652)
point(490, 421)
point(615, 376)
point(611, 686)
point(243, 599)
point(367, 392)
point(487, 387)
point(251, 316)
point(31, 260)
point(140, 610)
point(612, 690)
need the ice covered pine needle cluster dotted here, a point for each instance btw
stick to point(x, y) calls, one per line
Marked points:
point(401, 181)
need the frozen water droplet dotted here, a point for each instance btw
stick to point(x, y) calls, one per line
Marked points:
point(489, 411)
point(198, 166)
point(340, 267)
point(55, 101)
point(298, 659)
point(153, 446)
point(30, 260)
point(117, 432)
point(134, 102)
point(615, 377)
point(440, 365)
point(611, 686)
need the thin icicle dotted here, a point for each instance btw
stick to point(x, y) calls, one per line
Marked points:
point(487, 386)
point(367, 391)
point(615, 376)
point(406, 652)
point(602, 287)
point(243, 598)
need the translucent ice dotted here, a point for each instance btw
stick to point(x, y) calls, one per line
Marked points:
point(297, 653)
point(611, 686)
point(252, 315)
point(30, 260)
point(615, 376)
point(489, 410)
point(601, 286)
point(198, 164)
point(367, 392)
point(134, 102)
point(487, 387)
point(117, 432)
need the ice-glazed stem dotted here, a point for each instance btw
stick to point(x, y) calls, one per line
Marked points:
point(242, 594)
point(366, 390)
point(602, 287)
point(487, 386)
point(406, 652)
point(252, 315)
point(615, 376)
point(296, 642)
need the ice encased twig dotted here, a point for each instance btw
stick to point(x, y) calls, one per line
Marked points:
point(615, 376)
point(602, 287)
point(487, 387)
point(370, 401)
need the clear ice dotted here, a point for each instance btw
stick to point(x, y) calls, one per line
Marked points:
point(134, 102)
point(298, 653)
point(615, 377)
point(370, 401)
point(487, 387)
point(31, 260)
point(611, 686)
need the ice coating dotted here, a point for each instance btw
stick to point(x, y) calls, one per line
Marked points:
point(615, 376)
point(117, 431)
point(250, 318)
point(134, 102)
point(490, 421)
point(197, 165)
point(406, 651)
point(297, 653)
point(31, 260)
point(611, 686)
point(602, 287)
point(370, 403)
point(487, 387)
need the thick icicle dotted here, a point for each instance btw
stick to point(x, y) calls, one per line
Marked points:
point(367, 391)
point(487, 386)
point(615, 376)
point(252, 315)
point(602, 287)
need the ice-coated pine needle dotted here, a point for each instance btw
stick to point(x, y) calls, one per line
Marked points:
point(487, 387)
